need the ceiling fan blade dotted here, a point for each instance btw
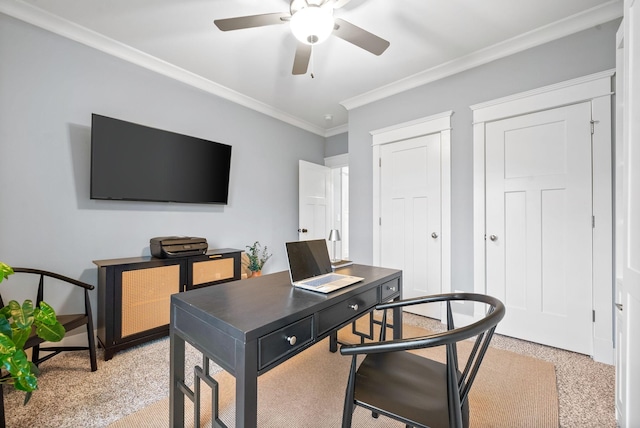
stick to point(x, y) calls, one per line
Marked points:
point(242, 22)
point(359, 37)
point(301, 60)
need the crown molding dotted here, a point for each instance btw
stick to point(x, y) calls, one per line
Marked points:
point(590, 18)
point(336, 130)
point(40, 18)
point(62, 27)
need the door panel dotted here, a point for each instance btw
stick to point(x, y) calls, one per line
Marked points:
point(314, 201)
point(539, 225)
point(410, 208)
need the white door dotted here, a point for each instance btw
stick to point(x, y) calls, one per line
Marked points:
point(314, 201)
point(630, 338)
point(410, 216)
point(539, 225)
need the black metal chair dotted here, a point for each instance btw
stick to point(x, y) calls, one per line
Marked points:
point(69, 322)
point(410, 388)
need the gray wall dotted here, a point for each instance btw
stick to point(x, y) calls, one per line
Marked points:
point(336, 145)
point(581, 54)
point(49, 86)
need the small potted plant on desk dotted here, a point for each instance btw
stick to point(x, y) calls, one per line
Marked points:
point(258, 256)
point(16, 323)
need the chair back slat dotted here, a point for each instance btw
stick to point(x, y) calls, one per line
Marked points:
point(40, 296)
point(476, 366)
point(470, 360)
point(451, 326)
point(453, 392)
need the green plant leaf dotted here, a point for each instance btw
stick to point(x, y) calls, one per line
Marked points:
point(20, 336)
point(5, 271)
point(26, 379)
point(19, 364)
point(22, 316)
point(5, 326)
point(7, 346)
point(45, 314)
point(34, 369)
point(51, 333)
point(27, 382)
point(6, 312)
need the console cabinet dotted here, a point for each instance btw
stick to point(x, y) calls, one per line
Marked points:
point(134, 294)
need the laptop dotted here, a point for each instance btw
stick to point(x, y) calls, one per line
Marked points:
point(310, 267)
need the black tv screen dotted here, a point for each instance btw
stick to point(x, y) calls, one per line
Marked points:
point(137, 163)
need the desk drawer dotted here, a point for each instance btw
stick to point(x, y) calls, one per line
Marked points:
point(281, 342)
point(345, 310)
point(389, 289)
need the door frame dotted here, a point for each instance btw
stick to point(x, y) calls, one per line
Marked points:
point(438, 123)
point(596, 88)
point(338, 162)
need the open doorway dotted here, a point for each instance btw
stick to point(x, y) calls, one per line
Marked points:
point(339, 218)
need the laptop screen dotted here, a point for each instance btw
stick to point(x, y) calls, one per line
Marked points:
point(308, 259)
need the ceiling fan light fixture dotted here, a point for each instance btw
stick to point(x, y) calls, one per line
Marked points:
point(312, 24)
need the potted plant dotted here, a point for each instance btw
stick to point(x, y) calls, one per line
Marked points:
point(16, 323)
point(258, 256)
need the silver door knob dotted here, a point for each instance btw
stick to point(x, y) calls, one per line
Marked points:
point(493, 237)
point(434, 235)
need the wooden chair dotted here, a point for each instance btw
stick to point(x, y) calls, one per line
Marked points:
point(69, 322)
point(412, 389)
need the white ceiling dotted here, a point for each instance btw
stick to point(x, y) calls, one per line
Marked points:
point(429, 39)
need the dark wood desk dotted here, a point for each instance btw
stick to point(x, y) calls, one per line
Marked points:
point(250, 326)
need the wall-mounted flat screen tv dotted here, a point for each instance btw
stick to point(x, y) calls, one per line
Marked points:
point(132, 162)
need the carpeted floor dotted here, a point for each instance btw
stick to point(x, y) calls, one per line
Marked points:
point(71, 396)
point(307, 391)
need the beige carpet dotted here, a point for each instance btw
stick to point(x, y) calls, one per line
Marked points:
point(308, 390)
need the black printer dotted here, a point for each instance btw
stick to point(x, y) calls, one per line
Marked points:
point(177, 246)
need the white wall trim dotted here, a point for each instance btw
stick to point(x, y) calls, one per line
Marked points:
point(590, 18)
point(423, 126)
point(597, 89)
point(337, 130)
point(568, 92)
point(337, 161)
point(40, 18)
point(439, 123)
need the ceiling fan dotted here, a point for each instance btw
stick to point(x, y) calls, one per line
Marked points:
point(312, 22)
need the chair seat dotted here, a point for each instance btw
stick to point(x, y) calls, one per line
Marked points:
point(386, 383)
point(68, 321)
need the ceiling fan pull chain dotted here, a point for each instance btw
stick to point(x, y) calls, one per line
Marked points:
point(312, 62)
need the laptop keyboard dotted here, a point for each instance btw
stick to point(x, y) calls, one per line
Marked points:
point(322, 281)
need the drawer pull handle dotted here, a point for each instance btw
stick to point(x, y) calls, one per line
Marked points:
point(354, 306)
point(391, 288)
point(215, 256)
point(292, 340)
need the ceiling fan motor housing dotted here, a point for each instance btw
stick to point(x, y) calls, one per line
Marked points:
point(312, 24)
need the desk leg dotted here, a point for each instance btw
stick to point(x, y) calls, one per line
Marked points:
point(333, 341)
point(246, 385)
point(397, 319)
point(176, 376)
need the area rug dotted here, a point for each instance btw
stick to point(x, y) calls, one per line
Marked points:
point(308, 390)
